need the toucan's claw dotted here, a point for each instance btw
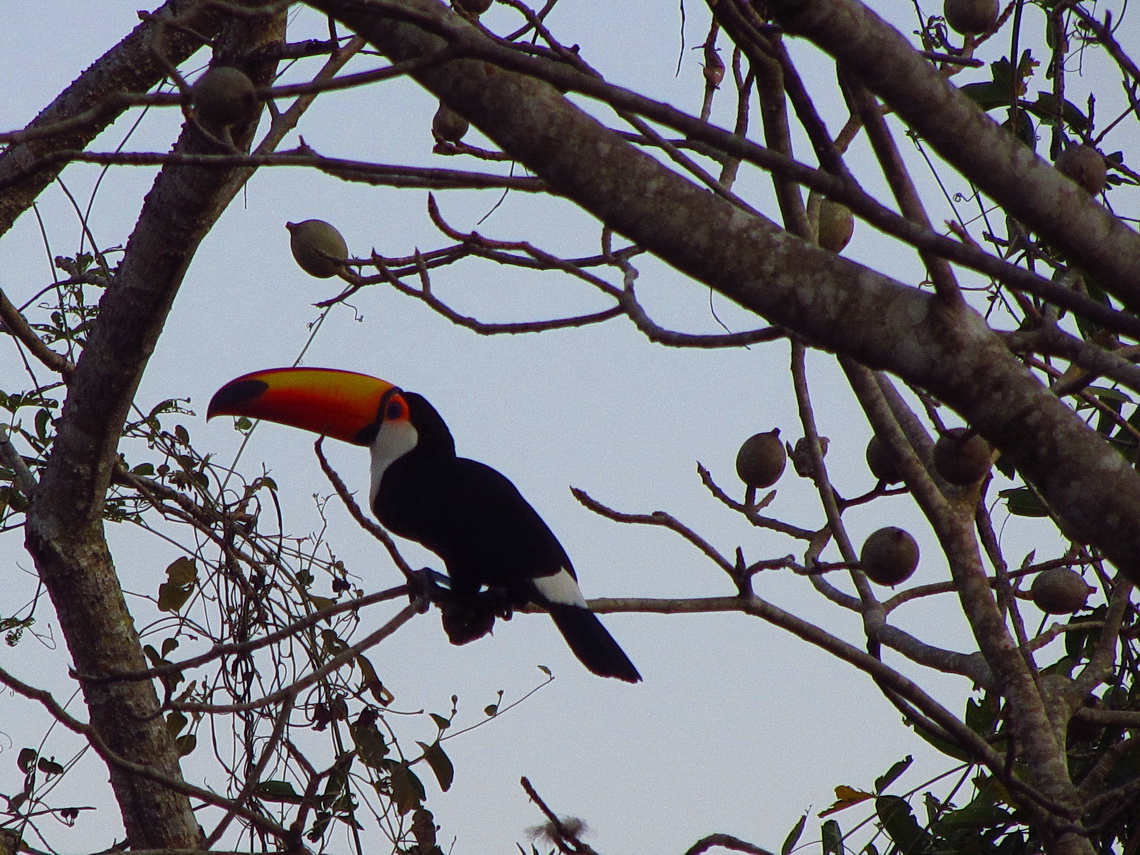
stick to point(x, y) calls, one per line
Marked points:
point(498, 602)
point(430, 586)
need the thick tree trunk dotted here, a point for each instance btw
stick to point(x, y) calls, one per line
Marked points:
point(64, 529)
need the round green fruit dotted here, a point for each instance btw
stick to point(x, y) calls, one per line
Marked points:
point(447, 125)
point(1084, 165)
point(970, 17)
point(836, 225)
point(761, 459)
point(1059, 591)
point(315, 245)
point(474, 8)
point(223, 96)
point(889, 556)
point(881, 462)
point(962, 457)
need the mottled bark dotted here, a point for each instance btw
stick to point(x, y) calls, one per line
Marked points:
point(1004, 168)
point(836, 303)
point(64, 528)
point(131, 67)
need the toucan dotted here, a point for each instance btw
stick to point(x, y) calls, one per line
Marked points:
point(494, 545)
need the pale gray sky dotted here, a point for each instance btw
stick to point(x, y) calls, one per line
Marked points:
point(738, 727)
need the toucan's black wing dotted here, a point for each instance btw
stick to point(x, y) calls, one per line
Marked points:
point(487, 534)
point(473, 518)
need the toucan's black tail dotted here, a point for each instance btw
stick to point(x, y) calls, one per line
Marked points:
point(592, 643)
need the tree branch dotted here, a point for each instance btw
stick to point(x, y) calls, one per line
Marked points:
point(999, 163)
point(131, 67)
point(948, 351)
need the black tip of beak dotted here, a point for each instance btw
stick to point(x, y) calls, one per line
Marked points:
point(232, 394)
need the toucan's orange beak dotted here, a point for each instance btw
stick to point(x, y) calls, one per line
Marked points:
point(341, 404)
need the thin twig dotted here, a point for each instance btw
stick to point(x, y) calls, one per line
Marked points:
point(357, 514)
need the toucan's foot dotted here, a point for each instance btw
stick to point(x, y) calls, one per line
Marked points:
point(430, 586)
point(465, 620)
point(498, 602)
point(466, 616)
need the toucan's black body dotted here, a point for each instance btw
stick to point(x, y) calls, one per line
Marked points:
point(487, 534)
point(498, 551)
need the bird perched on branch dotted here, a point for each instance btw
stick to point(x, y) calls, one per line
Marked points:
point(498, 551)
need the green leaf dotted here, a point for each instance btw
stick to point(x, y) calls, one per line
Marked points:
point(186, 744)
point(440, 764)
point(1081, 642)
point(983, 812)
point(276, 791)
point(892, 774)
point(43, 420)
point(337, 779)
point(407, 790)
point(1107, 394)
point(988, 95)
point(793, 836)
point(1001, 72)
point(1045, 108)
point(846, 797)
point(49, 767)
point(371, 746)
point(182, 571)
point(181, 577)
point(171, 597)
point(901, 826)
point(1025, 66)
point(373, 682)
point(1112, 402)
point(175, 723)
point(321, 820)
point(26, 759)
point(1023, 502)
point(982, 715)
point(332, 643)
point(1023, 128)
point(832, 836)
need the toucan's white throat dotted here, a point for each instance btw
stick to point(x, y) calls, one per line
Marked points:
point(393, 441)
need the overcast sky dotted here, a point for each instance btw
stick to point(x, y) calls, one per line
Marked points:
point(738, 727)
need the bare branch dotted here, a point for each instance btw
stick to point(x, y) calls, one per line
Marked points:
point(16, 325)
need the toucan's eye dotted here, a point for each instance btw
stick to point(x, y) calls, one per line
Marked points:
point(396, 409)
